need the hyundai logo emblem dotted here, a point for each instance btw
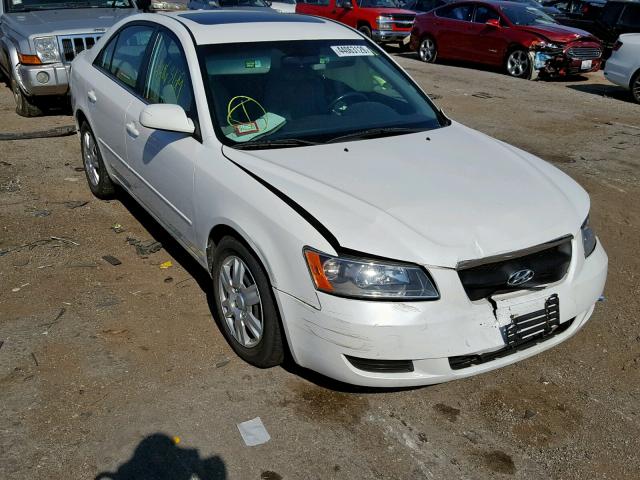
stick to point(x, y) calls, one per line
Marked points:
point(520, 277)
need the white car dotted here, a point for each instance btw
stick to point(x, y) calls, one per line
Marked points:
point(623, 67)
point(349, 222)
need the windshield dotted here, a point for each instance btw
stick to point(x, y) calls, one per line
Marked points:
point(26, 5)
point(523, 15)
point(311, 91)
point(377, 4)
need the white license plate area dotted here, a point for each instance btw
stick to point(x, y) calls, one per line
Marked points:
point(511, 307)
point(586, 64)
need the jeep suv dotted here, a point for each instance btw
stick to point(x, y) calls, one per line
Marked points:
point(40, 38)
point(380, 20)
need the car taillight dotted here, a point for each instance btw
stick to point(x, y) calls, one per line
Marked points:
point(617, 45)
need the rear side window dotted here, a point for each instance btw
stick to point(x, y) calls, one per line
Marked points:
point(485, 13)
point(611, 13)
point(462, 12)
point(168, 79)
point(129, 53)
point(631, 16)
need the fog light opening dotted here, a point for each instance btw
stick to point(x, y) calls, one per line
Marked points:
point(42, 77)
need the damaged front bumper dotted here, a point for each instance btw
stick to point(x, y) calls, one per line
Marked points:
point(560, 62)
point(394, 344)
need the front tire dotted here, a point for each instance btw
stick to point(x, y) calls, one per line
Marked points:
point(245, 305)
point(428, 50)
point(518, 64)
point(97, 177)
point(365, 30)
point(635, 87)
point(25, 106)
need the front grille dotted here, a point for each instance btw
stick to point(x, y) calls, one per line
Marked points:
point(403, 21)
point(465, 361)
point(485, 277)
point(584, 53)
point(72, 45)
point(381, 366)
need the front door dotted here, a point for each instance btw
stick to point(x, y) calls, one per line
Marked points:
point(164, 162)
point(488, 43)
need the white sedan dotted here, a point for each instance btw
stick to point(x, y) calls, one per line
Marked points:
point(623, 67)
point(348, 222)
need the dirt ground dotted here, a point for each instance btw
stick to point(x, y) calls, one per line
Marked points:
point(101, 365)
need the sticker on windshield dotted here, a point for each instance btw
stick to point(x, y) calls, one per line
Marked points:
point(352, 51)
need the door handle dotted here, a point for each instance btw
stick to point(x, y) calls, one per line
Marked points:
point(91, 95)
point(131, 128)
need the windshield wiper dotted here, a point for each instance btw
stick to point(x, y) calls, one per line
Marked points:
point(280, 143)
point(375, 133)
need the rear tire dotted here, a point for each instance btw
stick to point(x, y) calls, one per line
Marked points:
point(635, 87)
point(25, 106)
point(98, 178)
point(428, 50)
point(245, 306)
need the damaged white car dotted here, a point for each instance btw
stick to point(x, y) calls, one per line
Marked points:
point(342, 216)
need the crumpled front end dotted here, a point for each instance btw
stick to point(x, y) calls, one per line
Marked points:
point(558, 60)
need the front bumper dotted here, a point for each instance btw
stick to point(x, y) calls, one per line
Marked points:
point(389, 36)
point(560, 64)
point(57, 79)
point(427, 333)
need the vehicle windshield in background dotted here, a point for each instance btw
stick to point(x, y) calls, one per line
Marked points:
point(26, 5)
point(310, 91)
point(377, 4)
point(242, 3)
point(523, 15)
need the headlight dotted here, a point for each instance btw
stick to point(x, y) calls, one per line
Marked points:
point(544, 45)
point(47, 49)
point(384, 22)
point(588, 238)
point(369, 279)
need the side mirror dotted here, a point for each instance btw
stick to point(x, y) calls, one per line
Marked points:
point(493, 22)
point(347, 5)
point(165, 116)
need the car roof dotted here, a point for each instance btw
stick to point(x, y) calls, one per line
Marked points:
point(239, 26)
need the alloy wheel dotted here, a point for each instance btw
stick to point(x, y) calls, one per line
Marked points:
point(241, 302)
point(90, 154)
point(635, 89)
point(518, 63)
point(427, 50)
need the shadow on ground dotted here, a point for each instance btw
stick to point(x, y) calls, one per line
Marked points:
point(158, 458)
point(604, 90)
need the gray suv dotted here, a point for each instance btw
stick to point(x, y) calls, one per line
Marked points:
point(40, 38)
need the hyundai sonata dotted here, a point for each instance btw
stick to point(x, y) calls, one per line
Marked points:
point(339, 212)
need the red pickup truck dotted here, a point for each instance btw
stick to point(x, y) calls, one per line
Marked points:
point(380, 20)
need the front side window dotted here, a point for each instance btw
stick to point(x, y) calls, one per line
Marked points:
point(463, 12)
point(129, 53)
point(168, 78)
point(523, 15)
point(377, 4)
point(485, 13)
point(26, 5)
point(103, 60)
point(315, 90)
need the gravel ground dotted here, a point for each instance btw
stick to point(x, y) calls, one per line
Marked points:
point(101, 365)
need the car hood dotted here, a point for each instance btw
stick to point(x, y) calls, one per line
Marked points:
point(559, 33)
point(66, 21)
point(459, 196)
point(390, 11)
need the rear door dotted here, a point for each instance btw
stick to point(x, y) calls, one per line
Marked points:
point(488, 43)
point(112, 89)
point(163, 161)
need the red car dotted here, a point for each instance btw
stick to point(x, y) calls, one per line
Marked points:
point(521, 38)
point(380, 20)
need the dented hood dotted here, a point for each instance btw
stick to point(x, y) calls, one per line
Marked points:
point(560, 33)
point(459, 196)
